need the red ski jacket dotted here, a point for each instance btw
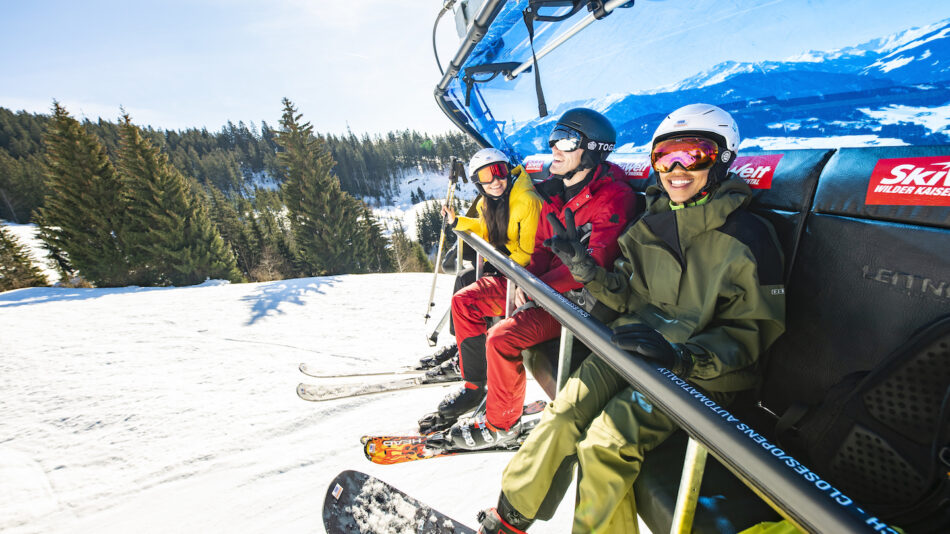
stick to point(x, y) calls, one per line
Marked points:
point(607, 204)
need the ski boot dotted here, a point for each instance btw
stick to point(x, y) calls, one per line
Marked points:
point(448, 371)
point(477, 433)
point(453, 406)
point(502, 520)
point(435, 359)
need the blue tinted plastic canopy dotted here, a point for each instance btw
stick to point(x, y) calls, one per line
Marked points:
point(826, 73)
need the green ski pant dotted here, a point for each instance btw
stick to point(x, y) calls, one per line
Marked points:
point(600, 422)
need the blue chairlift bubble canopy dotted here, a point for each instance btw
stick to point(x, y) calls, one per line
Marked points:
point(822, 73)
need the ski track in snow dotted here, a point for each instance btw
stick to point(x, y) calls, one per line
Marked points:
point(174, 409)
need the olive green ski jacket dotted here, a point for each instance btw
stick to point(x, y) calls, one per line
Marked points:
point(707, 276)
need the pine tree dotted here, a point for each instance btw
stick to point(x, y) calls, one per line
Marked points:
point(325, 220)
point(375, 253)
point(83, 215)
point(16, 267)
point(170, 237)
point(408, 255)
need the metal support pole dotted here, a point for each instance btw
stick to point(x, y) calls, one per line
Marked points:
point(509, 298)
point(564, 351)
point(479, 266)
point(693, 466)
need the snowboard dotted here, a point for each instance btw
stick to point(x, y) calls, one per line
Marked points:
point(359, 503)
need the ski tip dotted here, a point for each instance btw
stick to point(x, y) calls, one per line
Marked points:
point(303, 391)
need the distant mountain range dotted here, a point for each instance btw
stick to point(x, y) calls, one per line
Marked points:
point(890, 87)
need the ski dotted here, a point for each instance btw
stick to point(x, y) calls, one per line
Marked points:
point(312, 370)
point(531, 408)
point(389, 450)
point(359, 503)
point(320, 393)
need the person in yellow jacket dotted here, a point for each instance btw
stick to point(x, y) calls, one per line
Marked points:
point(508, 209)
point(508, 212)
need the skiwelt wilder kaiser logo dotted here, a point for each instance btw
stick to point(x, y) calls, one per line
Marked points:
point(910, 182)
point(757, 171)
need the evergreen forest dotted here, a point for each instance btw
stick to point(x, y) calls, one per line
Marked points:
point(118, 204)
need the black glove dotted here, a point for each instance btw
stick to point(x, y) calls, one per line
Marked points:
point(569, 248)
point(646, 342)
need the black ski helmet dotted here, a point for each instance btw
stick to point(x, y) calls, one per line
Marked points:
point(599, 135)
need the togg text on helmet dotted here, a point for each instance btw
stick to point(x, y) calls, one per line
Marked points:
point(704, 120)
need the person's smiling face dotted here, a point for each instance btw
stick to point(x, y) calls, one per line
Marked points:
point(496, 187)
point(682, 185)
point(565, 162)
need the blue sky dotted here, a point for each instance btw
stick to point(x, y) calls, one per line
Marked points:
point(176, 64)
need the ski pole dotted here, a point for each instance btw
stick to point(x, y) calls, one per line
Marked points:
point(457, 170)
point(434, 336)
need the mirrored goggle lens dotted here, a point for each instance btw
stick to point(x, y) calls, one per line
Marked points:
point(565, 139)
point(693, 153)
point(488, 173)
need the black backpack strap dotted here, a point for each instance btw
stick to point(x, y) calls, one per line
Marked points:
point(790, 419)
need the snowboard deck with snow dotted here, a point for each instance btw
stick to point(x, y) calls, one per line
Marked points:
point(314, 371)
point(320, 393)
point(389, 450)
point(359, 503)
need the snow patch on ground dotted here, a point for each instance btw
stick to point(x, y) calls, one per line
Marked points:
point(156, 410)
point(434, 186)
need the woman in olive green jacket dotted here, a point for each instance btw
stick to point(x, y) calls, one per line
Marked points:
point(700, 292)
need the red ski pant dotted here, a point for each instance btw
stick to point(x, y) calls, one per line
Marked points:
point(500, 360)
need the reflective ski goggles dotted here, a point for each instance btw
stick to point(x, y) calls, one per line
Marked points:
point(490, 173)
point(565, 139)
point(693, 153)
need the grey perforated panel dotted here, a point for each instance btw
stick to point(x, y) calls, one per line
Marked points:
point(909, 401)
point(873, 471)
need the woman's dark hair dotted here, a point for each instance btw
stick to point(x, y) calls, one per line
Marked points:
point(496, 220)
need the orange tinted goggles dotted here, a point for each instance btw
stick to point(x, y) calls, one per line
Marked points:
point(693, 153)
point(490, 173)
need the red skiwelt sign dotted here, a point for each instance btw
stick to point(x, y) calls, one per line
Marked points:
point(757, 171)
point(533, 164)
point(910, 182)
point(638, 169)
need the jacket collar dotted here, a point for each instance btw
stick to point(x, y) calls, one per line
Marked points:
point(550, 190)
point(678, 227)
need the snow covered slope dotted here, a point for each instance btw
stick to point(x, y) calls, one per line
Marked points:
point(156, 410)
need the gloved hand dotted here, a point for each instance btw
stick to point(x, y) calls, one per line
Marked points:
point(646, 342)
point(569, 248)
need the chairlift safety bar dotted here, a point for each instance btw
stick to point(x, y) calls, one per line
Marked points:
point(805, 503)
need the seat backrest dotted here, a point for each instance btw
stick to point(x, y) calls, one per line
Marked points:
point(871, 267)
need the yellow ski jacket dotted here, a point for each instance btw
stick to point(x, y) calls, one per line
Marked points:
point(524, 210)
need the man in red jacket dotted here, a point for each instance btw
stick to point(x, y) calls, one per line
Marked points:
point(582, 181)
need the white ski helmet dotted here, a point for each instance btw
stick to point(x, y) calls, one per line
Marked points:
point(486, 156)
point(482, 158)
point(704, 120)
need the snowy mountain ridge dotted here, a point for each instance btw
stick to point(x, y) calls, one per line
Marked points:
point(876, 57)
